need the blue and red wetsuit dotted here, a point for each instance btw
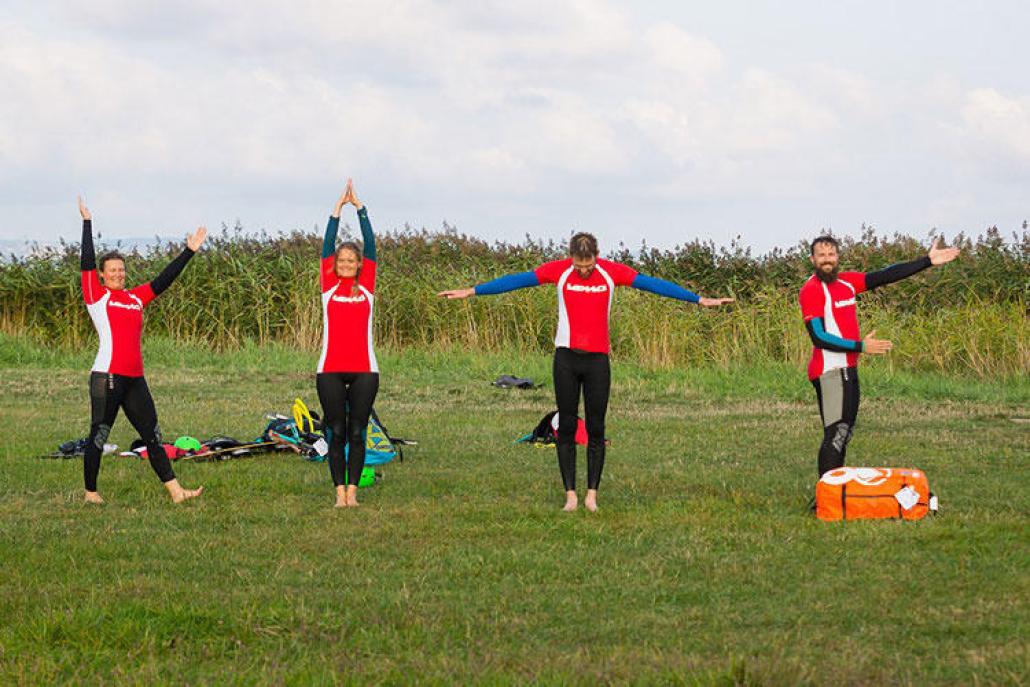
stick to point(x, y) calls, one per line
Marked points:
point(582, 344)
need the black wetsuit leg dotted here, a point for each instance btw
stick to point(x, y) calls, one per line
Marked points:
point(361, 394)
point(838, 394)
point(590, 372)
point(139, 407)
point(332, 394)
point(108, 393)
point(597, 384)
point(104, 399)
point(566, 395)
point(346, 399)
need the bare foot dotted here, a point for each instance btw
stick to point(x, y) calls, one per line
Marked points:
point(590, 502)
point(186, 494)
point(179, 494)
point(93, 497)
point(341, 497)
point(571, 502)
point(352, 496)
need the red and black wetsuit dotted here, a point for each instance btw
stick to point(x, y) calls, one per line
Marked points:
point(830, 312)
point(347, 378)
point(116, 380)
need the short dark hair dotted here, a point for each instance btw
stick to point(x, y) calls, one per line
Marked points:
point(583, 245)
point(825, 238)
point(110, 255)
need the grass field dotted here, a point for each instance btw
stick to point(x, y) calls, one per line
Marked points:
point(702, 566)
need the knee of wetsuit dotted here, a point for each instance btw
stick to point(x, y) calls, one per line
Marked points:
point(841, 436)
point(100, 437)
point(155, 435)
point(567, 426)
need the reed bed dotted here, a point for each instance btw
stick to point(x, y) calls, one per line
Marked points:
point(969, 317)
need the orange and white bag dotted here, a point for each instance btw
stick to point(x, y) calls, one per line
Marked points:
point(864, 493)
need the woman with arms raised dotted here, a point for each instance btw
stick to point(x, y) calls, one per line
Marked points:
point(348, 375)
point(116, 380)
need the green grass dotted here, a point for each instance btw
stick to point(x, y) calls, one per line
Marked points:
point(702, 566)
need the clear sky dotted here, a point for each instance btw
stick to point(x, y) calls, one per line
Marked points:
point(662, 121)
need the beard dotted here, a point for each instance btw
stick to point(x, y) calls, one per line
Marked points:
point(827, 277)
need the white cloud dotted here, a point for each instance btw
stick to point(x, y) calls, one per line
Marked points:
point(490, 100)
point(999, 121)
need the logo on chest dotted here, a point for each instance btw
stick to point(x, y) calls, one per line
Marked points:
point(360, 298)
point(844, 303)
point(586, 288)
point(125, 306)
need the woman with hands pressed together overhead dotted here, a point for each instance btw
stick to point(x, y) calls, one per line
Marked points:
point(348, 375)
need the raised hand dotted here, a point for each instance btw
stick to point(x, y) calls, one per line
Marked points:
point(352, 197)
point(940, 254)
point(870, 344)
point(714, 302)
point(83, 210)
point(196, 239)
point(457, 293)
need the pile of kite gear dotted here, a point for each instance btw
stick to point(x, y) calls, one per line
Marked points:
point(214, 449)
point(301, 433)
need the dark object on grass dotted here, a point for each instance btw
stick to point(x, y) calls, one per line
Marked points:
point(76, 448)
point(508, 382)
point(546, 431)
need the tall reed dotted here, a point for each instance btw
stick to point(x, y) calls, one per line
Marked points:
point(969, 317)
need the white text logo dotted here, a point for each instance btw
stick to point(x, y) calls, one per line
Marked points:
point(600, 288)
point(349, 299)
point(127, 306)
point(869, 477)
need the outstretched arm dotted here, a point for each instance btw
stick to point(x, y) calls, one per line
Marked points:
point(509, 282)
point(670, 290)
point(938, 255)
point(161, 282)
point(664, 288)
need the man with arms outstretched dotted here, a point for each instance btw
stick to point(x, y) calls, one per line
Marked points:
point(828, 305)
